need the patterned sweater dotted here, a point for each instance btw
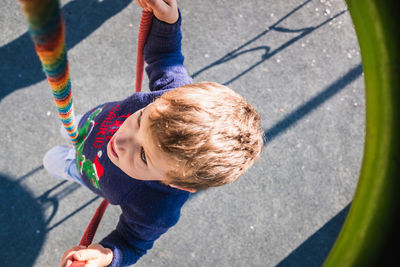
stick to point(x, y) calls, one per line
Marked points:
point(149, 208)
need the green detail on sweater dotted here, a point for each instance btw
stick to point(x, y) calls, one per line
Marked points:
point(86, 165)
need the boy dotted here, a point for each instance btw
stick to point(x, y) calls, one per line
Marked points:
point(148, 152)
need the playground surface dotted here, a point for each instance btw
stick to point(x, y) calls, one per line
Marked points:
point(296, 61)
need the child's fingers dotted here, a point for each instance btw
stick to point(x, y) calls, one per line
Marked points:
point(171, 3)
point(161, 5)
point(143, 4)
point(91, 257)
point(66, 258)
point(87, 254)
point(94, 255)
point(158, 4)
point(140, 3)
point(68, 264)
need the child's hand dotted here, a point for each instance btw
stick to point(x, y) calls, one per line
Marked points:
point(95, 255)
point(164, 10)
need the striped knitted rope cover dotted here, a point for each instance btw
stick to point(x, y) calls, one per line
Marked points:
point(47, 30)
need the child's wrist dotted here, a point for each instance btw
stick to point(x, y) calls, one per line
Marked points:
point(170, 21)
point(164, 27)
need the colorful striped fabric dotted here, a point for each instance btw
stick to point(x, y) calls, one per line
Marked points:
point(47, 29)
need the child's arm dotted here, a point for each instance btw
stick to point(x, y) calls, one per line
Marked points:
point(162, 51)
point(135, 234)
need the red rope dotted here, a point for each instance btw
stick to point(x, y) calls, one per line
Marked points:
point(88, 236)
point(90, 231)
point(144, 28)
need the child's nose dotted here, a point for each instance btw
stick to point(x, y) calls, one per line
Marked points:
point(124, 142)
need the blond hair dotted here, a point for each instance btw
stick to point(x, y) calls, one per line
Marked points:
point(211, 132)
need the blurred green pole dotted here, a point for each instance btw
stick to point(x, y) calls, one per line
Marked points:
point(369, 235)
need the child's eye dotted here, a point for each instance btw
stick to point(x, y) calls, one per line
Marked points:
point(143, 155)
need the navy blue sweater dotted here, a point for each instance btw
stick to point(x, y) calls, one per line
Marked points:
point(149, 208)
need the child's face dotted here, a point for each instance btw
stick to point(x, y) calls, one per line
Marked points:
point(132, 149)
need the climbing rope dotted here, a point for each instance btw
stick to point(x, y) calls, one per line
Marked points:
point(144, 28)
point(91, 229)
point(47, 30)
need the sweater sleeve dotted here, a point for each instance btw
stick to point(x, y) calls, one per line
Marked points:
point(163, 56)
point(132, 237)
point(147, 213)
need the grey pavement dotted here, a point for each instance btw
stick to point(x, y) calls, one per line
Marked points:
point(296, 61)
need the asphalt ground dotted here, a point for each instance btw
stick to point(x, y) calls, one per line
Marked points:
point(296, 61)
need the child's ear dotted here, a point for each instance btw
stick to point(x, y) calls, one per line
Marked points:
point(183, 188)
